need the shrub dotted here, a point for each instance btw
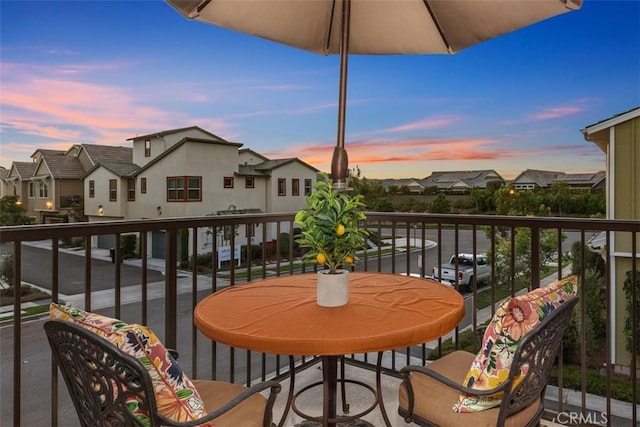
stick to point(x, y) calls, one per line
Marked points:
point(628, 321)
point(7, 271)
point(128, 245)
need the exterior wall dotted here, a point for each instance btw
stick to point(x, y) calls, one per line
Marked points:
point(627, 170)
point(524, 183)
point(623, 191)
point(622, 355)
point(289, 202)
point(111, 210)
point(250, 158)
point(211, 162)
point(159, 144)
point(84, 159)
point(40, 203)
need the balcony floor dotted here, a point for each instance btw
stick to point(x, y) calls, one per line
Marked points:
point(357, 397)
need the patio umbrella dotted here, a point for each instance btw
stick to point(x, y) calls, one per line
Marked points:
point(372, 27)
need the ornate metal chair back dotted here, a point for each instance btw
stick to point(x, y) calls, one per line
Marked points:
point(104, 383)
point(536, 352)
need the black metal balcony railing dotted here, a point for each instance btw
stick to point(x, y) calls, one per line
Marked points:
point(32, 393)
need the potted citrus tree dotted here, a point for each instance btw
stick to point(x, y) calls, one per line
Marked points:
point(331, 233)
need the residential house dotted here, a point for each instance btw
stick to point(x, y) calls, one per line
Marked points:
point(59, 179)
point(532, 179)
point(619, 138)
point(50, 186)
point(18, 183)
point(191, 172)
point(461, 181)
point(453, 181)
point(4, 187)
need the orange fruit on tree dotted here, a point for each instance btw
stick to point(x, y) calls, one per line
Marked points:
point(340, 230)
point(321, 258)
point(348, 259)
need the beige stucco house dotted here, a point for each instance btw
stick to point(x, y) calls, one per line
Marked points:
point(619, 138)
point(191, 172)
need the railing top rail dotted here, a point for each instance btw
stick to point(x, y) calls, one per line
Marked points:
point(78, 229)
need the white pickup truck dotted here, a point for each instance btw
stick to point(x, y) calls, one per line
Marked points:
point(447, 272)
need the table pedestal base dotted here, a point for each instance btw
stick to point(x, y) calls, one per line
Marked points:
point(329, 384)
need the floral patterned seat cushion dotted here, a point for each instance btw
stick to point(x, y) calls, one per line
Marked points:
point(176, 396)
point(513, 319)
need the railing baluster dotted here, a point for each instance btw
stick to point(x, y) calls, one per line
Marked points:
point(450, 230)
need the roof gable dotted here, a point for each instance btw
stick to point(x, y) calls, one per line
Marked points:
point(172, 131)
point(60, 167)
point(183, 141)
point(22, 170)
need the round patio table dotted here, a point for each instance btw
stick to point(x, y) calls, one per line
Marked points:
point(280, 316)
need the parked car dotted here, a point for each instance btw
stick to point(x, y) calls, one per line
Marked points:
point(465, 277)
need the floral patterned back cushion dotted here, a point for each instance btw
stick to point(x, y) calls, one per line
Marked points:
point(176, 396)
point(513, 319)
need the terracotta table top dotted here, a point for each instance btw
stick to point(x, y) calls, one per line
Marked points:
point(280, 315)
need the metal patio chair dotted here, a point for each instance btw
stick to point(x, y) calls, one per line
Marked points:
point(105, 383)
point(427, 394)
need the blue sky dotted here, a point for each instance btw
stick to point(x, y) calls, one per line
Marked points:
point(100, 72)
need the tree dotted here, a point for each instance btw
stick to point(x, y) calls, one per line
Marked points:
point(7, 271)
point(77, 209)
point(521, 249)
point(440, 205)
point(520, 203)
point(12, 212)
point(558, 195)
point(375, 196)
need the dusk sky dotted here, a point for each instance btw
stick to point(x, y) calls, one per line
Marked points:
point(100, 72)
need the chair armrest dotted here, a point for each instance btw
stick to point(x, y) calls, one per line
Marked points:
point(274, 387)
point(423, 370)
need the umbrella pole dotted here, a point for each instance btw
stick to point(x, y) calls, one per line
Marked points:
point(340, 160)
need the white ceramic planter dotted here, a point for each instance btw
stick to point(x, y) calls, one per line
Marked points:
point(333, 289)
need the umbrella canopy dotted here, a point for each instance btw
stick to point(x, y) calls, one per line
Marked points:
point(372, 27)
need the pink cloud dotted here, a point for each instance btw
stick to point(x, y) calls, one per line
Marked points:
point(48, 105)
point(400, 150)
point(555, 113)
point(427, 123)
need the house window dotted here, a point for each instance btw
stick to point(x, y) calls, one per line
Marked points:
point(307, 187)
point(176, 191)
point(92, 188)
point(194, 184)
point(131, 189)
point(32, 190)
point(295, 187)
point(249, 182)
point(113, 190)
point(282, 187)
point(147, 148)
point(228, 182)
point(44, 190)
point(143, 185)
